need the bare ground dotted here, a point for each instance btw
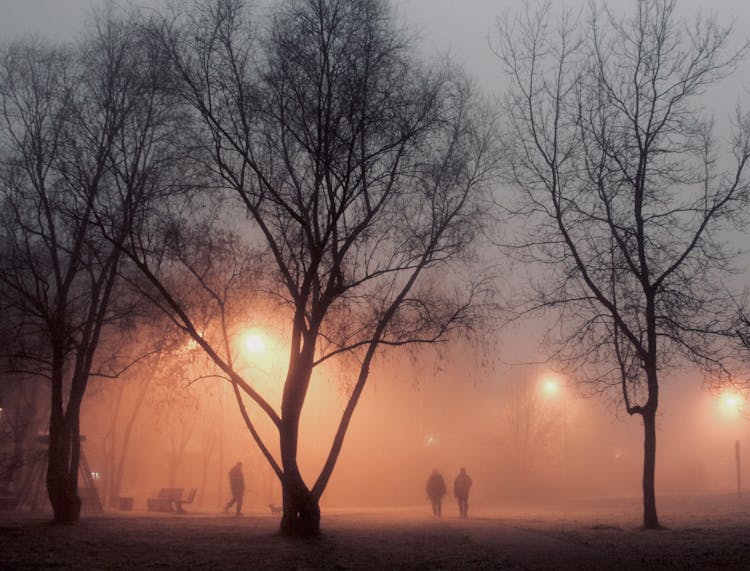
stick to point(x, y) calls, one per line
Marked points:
point(702, 533)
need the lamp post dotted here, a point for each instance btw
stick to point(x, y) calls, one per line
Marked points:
point(737, 460)
point(731, 403)
point(551, 387)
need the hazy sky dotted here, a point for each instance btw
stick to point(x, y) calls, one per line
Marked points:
point(460, 27)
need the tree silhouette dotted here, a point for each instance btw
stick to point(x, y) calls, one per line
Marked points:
point(81, 130)
point(360, 172)
point(624, 192)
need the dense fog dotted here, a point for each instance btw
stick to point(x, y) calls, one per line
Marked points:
point(519, 439)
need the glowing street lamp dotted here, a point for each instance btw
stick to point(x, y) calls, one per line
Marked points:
point(261, 350)
point(251, 342)
point(254, 343)
point(552, 387)
point(731, 403)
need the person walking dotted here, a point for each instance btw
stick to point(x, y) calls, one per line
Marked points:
point(435, 491)
point(237, 487)
point(461, 487)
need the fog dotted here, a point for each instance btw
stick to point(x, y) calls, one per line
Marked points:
point(517, 440)
point(456, 406)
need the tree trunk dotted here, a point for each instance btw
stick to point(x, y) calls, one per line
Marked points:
point(64, 446)
point(301, 512)
point(62, 470)
point(650, 519)
point(301, 516)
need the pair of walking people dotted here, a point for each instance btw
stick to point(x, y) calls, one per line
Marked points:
point(436, 490)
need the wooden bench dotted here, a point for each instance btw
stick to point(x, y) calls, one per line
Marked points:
point(165, 500)
point(188, 500)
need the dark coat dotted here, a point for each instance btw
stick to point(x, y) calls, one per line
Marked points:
point(461, 485)
point(435, 485)
point(236, 481)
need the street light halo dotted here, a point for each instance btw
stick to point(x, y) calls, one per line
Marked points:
point(254, 342)
point(551, 385)
point(731, 401)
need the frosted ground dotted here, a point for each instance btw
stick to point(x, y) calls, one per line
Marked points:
point(707, 532)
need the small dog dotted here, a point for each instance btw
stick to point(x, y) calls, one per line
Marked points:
point(275, 509)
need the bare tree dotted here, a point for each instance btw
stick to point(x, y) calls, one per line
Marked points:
point(362, 173)
point(121, 400)
point(79, 125)
point(624, 188)
point(116, 445)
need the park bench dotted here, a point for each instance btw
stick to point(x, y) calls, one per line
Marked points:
point(188, 500)
point(171, 500)
point(165, 500)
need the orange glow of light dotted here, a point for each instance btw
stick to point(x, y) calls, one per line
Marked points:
point(731, 402)
point(254, 342)
point(551, 386)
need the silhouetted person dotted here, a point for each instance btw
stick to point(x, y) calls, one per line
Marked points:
point(461, 490)
point(435, 491)
point(237, 487)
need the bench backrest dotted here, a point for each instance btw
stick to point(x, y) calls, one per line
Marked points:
point(191, 495)
point(170, 493)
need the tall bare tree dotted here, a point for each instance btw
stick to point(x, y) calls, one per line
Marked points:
point(361, 172)
point(79, 125)
point(625, 188)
